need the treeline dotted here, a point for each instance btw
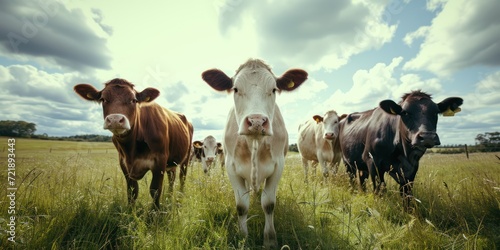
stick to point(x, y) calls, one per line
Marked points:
point(17, 128)
point(25, 129)
point(88, 138)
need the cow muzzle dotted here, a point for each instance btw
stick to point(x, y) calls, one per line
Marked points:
point(257, 125)
point(329, 136)
point(426, 139)
point(116, 123)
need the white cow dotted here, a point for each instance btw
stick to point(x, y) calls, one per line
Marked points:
point(317, 142)
point(255, 138)
point(208, 149)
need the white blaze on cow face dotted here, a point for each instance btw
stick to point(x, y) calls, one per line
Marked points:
point(254, 99)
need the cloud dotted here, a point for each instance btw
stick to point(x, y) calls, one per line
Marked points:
point(434, 5)
point(47, 100)
point(486, 93)
point(379, 83)
point(419, 33)
point(462, 35)
point(98, 17)
point(317, 34)
point(52, 34)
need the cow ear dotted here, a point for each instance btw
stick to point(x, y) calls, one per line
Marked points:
point(390, 107)
point(87, 92)
point(197, 144)
point(318, 118)
point(342, 117)
point(147, 95)
point(450, 106)
point(217, 79)
point(291, 79)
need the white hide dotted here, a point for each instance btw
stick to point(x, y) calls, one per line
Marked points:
point(316, 140)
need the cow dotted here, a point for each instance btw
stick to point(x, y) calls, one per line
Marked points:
point(317, 142)
point(208, 152)
point(255, 138)
point(392, 138)
point(146, 135)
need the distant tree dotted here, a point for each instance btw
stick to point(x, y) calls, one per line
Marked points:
point(293, 148)
point(17, 128)
point(488, 142)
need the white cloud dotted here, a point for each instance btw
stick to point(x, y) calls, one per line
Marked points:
point(419, 33)
point(463, 34)
point(433, 5)
point(318, 34)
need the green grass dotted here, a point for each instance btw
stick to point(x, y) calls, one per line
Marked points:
point(71, 195)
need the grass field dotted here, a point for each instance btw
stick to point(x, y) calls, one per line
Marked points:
point(71, 195)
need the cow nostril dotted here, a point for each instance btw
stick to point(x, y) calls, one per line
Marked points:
point(249, 121)
point(122, 120)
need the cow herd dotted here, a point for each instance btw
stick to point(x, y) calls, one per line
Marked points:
point(390, 138)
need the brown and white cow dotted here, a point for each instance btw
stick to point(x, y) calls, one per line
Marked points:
point(393, 137)
point(208, 149)
point(255, 138)
point(146, 136)
point(316, 142)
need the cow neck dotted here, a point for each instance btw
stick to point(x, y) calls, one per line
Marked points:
point(123, 138)
point(409, 150)
point(403, 137)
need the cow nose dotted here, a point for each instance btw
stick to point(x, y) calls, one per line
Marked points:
point(328, 136)
point(210, 158)
point(116, 123)
point(428, 139)
point(256, 124)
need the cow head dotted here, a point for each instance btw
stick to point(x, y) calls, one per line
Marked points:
point(120, 103)
point(254, 89)
point(208, 147)
point(419, 114)
point(330, 123)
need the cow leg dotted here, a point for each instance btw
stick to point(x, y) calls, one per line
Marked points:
point(242, 197)
point(171, 178)
point(156, 187)
point(182, 175)
point(324, 167)
point(268, 201)
point(132, 186)
point(305, 164)
point(132, 190)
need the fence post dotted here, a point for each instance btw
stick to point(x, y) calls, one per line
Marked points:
point(466, 151)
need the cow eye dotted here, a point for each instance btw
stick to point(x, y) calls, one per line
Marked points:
point(274, 90)
point(103, 100)
point(404, 113)
point(235, 90)
point(133, 101)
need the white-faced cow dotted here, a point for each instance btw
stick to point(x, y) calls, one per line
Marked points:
point(208, 152)
point(393, 137)
point(317, 142)
point(147, 136)
point(255, 138)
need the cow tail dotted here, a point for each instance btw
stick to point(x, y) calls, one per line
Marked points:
point(255, 160)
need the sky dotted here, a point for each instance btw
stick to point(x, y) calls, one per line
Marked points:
point(357, 53)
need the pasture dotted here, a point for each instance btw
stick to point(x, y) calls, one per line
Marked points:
point(71, 195)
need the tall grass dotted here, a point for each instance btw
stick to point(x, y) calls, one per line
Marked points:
point(73, 198)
